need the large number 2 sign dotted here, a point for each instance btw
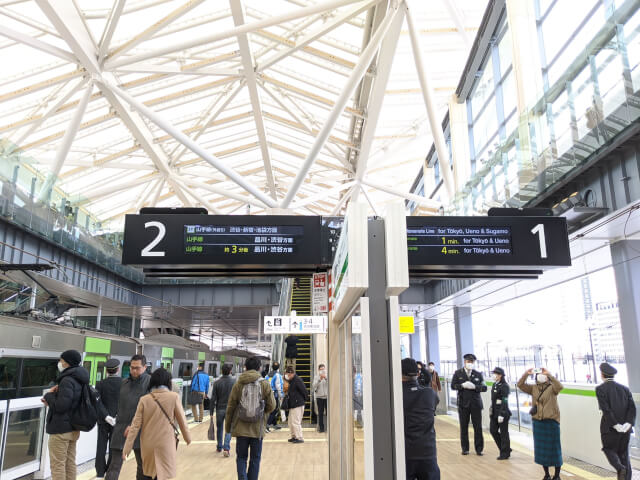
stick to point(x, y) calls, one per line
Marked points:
point(162, 231)
point(539, 230)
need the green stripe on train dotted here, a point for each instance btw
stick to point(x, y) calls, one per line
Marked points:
point(97, 345)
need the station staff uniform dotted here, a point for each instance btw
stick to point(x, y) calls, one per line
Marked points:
point(500, 414)
point(470, 404)
point(618, 417)
point(109, 390)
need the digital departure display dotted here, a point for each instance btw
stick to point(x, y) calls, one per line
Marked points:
point(241, 240)
point(460, 241)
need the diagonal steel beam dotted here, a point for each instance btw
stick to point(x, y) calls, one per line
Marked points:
point(109, 30)
point(358, 72)
point(383, 67)
point(65, 145)
point(237, 12)
point(246, 28)
point(37, 44)
point(419, 199)
point(317, 33)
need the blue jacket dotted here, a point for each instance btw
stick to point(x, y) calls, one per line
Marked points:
point(276, 384)
point(200, 382)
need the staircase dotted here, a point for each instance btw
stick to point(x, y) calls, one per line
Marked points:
point(301, 303)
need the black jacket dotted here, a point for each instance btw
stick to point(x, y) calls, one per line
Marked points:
point(298, 394)
point(220, 393)
point(292, 347)
point(468, 398)
point(130, 392)
point(419, 409)
point(617, 406)
point(109, 390)
point(424, 378)
point(62, 403)
point(500, 399)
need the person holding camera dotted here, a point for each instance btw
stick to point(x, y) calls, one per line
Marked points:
point(545, 415)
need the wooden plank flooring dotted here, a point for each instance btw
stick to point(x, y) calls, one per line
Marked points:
point(309, 461)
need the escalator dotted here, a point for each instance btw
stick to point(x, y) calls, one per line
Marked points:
point(301, 303)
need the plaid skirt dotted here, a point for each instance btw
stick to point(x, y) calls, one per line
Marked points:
point(546, 443)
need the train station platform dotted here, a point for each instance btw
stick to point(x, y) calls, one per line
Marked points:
point(309, 461)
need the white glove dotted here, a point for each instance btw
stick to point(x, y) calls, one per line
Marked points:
point(618, 428)
point(110, 420)
point(626, 427)
point(500, 419)
point(469, 385)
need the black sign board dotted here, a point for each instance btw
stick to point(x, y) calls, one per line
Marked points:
point(207, 245)
point(514, 246)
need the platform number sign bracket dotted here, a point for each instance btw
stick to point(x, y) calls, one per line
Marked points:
point(162, 231)
point(539, 230)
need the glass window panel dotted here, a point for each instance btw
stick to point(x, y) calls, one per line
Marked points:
point(23, 435)
point(632, 39)
point(37, 375)
point(562, 123)
point(485, 127)
point(505, 53)
point(509, 95)
point(483, 90)
point(8, 378)
point(586, 109)
point(184, 370)
point(610, 80)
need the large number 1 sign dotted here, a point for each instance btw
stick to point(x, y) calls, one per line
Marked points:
point(539, 230)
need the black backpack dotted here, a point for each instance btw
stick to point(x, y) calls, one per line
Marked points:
point(85, 416)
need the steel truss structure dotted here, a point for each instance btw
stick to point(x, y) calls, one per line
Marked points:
point(286, 105)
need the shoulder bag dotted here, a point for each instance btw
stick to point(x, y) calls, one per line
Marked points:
point(194, 397)
point(534, 409)
point(175, 429)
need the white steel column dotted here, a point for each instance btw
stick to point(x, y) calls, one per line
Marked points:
point(156, 195)
point(458, 19)
point(459, 128)
point(419, 199)
point(383, 69)
point(358, 72)
point(99, 317)
point(65, 145)
point(109, 29)
point(430, 103)
point(237, 11)
point(190, 144)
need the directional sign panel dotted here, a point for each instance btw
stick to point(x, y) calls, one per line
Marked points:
point(508, 244)
point(295, 324)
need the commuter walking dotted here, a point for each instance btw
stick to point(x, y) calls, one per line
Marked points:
point(297, 397)
point(545, 415)
point(618, 418)
point(131, 390)
point(424, 376)
point(250, 402)
point(321, 392)
point(109, 391)
point(157, 418)
point(219, 401)
point(469, 383)
point(291, 353)
point(62, 399)
point(500, 413)
point(419, 403)
point(435, 378)
point(277, 387)
point(199, 391)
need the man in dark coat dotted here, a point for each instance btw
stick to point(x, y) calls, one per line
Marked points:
point(618, 417)
point(419, 404)
point(61, 400)
point(500, 414)
point(291, 353)
point(219, 400)
point(469, 383)
point(131, 390)
point(109, 390)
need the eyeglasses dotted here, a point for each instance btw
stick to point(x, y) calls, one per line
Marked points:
point(136, 368)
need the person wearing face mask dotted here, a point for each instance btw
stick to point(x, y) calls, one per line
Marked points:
point(435, 378)
point(297, 397)
point(320, 392)
point(545, 415)
point(618, 418)
point(61, 400)
point(500, 413)
point(469, 383)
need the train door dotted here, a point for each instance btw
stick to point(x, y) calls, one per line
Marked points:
point(166, 364)
point(95, 365)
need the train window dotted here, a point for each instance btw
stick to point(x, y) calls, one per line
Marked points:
point(184, 370)
point(8, 378)
point(126, 366)
point(213, 370)
point(37, 374)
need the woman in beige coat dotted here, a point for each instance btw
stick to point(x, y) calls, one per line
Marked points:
point(157, 418)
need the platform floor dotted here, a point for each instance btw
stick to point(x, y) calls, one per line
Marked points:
point(309, 461)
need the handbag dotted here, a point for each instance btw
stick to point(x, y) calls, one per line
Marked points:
point(206, 403)
point(175, 430)
point(211, 434)
point(285, 403)
point(534, 410)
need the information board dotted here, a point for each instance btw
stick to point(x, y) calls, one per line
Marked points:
point(164, 242)
point(295, 324)
point(319, 294)
point(517, 243)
